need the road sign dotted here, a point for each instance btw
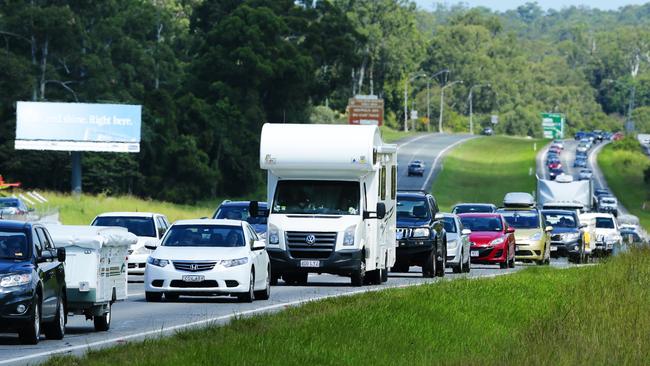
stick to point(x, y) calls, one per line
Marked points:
point(553, 125)
point(366, 110)
point(414, 114)
point(494, 119)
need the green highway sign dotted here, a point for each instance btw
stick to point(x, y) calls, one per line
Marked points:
point(553, 125)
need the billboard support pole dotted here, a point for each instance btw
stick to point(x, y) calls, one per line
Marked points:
point(76, 172)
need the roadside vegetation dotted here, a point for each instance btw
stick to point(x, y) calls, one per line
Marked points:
point(485, 169)
point(627, 171)
point(390, 135)
point(81, 210)
point(588, 315)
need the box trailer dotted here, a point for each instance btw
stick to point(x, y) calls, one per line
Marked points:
point(332, 195)
point(95, 269)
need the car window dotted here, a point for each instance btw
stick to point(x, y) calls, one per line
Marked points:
point(37, 243)
point(478, 223)
point(139, 226)
point(13, 245)
point(560, 220)
point(450, 224)
point(521, 219)
point(45, 240)
point(204, 236)
point(412, 208)
point(605, 223)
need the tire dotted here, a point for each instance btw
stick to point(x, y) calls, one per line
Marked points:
point(384, 275)
point(248, 296)
point(441, 265)
point(359, 276)
point(512, 262)
point(30, 333)
point(171, 296)
point(103, 322)
point(429, 269)
point(153, 296)
point(56, 329)
point(468, 266)
point(460, 268)
point(373, 277)
point(400, 267)
point(266, 293)
point(296, 279)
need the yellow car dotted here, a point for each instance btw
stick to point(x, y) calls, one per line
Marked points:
point(532, 236)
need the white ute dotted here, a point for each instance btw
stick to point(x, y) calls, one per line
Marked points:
point(331, 196)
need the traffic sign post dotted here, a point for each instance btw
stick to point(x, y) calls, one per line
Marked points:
point(366, 110)
point(553, 125)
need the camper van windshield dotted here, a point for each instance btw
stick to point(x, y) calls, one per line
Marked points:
point(317, 197)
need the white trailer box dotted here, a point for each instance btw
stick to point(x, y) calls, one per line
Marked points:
point(332, 197)
point(564, 193)
point(95, 268)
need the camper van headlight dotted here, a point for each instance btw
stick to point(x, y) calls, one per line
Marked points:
point(15, 280)
point(348, 237)
point(157, 262)
point(569, 237)
point(535, 237)
point(273, 235)
point(421, 232)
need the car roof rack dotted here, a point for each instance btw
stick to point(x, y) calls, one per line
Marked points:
point(412, 191)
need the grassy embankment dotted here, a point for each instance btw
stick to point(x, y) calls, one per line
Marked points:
point(389, 135)
point(81, 210)
point(623, 168)
point(589, 315)
point(485, 169)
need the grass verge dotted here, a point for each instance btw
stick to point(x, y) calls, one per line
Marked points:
point(485, 169)
point(389, 135)
point(589, 315)
point(623, 169)
point(81, 210)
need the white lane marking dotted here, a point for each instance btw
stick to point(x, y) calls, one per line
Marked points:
point(198, 323)
point(413, 140)
point(440, 154)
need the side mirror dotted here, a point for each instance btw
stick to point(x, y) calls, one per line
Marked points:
point(548, 229)
point(259, 245)
point(60, 254)
point(381, 210)
point(439, 216)
point(161, 232)
point(583, 225)
point(46, 256)
point(466, 231)
point(510, 230)
point(151, 245)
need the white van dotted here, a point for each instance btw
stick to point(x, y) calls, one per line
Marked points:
point(331, 196)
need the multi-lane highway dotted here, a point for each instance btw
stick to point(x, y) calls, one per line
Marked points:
point(136, 319)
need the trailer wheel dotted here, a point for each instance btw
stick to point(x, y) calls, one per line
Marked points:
point(103, 322)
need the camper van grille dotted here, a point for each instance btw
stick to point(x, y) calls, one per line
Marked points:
point(300, 245)
point(194, 266)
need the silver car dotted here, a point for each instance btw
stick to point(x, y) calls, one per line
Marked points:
point(586, 174)
point(457, 244)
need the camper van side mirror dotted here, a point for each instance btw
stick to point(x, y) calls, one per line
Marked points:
point(381, 210)
point(60, 254)
point(254, 210)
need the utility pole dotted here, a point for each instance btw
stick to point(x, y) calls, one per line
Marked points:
point(429, 96)
point(442, 102)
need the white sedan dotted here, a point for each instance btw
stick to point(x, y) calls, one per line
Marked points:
point(209, 257)
point(458, 245)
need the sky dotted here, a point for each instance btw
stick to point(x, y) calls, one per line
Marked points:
point(502, 5)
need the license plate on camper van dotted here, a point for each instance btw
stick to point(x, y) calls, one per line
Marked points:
point(310, 264)
point(193, 278)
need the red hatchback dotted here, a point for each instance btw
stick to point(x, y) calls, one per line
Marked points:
point(492, 241)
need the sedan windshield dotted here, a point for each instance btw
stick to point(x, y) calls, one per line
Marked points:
point(204, 236)
point(412, 208)
point(317, 197)
point(460, 209)
point(521, 219)
point(139, 226)
point(482, 223)
point(604, 223)
point(13, 245)
point(560, 220)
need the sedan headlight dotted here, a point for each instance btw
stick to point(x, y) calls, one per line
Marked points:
point(451, 244)
point(569, 237)
point(15, 280)
point(233, 262)
point(157, 262)
point(348, 237)
point(535, 237)
point(273, 235)
point(421, 232)
point(497, 241)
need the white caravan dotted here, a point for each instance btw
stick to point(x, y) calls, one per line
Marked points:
point(564, 193)
point(331, 195)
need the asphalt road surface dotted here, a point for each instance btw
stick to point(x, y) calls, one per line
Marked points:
point(135, 319)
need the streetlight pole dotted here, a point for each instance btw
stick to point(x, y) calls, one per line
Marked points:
point(429, 96)
point(406, 97)
point(469, 97)
point(442, 102)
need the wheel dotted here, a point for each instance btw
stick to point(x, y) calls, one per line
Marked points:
point(153, 296)
point(56, 329)
point(400, 267)
point(442, 264)
point(359, 276)
point(171, 296)
point(460, 268)
point(429, 266)
point(30, 333)
point(468, 266)
point(512, 262)
point(103, 322)
point(295, 279)
point(248, 296)
point(266, 293)
point(274, 279)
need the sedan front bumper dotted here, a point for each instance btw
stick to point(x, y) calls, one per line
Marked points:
point(217, 281)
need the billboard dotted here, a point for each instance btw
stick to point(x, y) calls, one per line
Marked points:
point(366, 110)
point(553, 125)
point(78, 127)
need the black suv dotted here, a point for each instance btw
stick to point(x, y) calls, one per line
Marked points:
point(567, 235)
point(32, 282)
point(421, 237)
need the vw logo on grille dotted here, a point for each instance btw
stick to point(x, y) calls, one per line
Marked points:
point(310, 239)
point(194, 267)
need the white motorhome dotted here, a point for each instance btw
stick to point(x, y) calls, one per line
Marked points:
point(332, 196)
point(564, 193)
